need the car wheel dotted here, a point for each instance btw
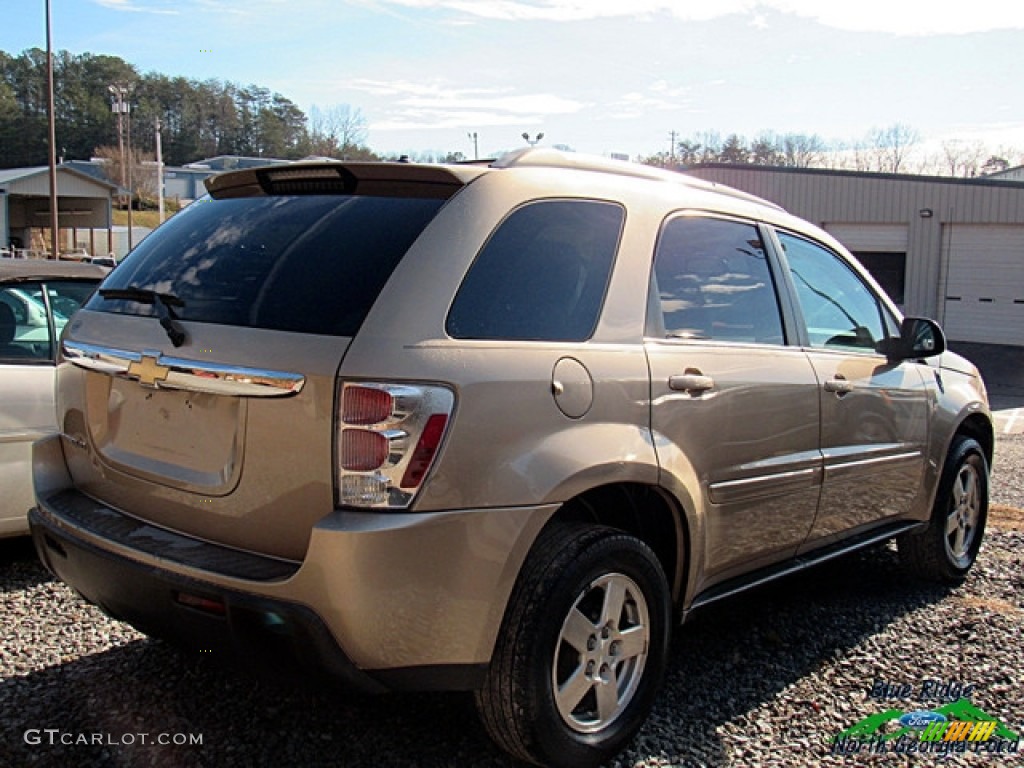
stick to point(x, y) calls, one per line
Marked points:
point(582, 648)
point(947, 549)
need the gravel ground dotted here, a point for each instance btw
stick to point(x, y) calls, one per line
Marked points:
point(1008, 471)
point(762, 680)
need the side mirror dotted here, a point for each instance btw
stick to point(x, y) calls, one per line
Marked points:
point(919, 337)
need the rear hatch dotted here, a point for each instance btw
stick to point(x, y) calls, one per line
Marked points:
point(202, 387)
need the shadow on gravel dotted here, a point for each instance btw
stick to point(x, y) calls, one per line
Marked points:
point(740, 653)
point(732, 658)
point(137, 692)
point(19, 566)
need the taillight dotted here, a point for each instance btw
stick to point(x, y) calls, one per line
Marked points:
point(426, 447)
point(388, 436)
point(363, 450)
point(366, 405)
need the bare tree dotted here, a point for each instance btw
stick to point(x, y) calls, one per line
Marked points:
point(140, 169)
point(858, 157)
point(962, 158)
point(800, 150)
point(891, 146)
point(337, 131)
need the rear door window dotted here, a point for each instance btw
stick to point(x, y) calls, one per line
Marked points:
point(304, 263)
point(714, 282)
point(542, 275)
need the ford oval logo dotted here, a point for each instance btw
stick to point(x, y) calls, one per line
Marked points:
point(921, 718)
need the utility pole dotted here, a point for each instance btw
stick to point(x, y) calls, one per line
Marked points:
point(121, 107)
point(159, 173)
point(476, 147)
point(131, 181)
point(672, 146)
point(54, 223)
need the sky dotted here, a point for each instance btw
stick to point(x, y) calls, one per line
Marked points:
point(599, 76)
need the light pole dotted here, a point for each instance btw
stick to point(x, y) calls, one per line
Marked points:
point(476, 146)
point(118, 106)
point(159, 173)
point(533, 142)
point(51, 125)
point(122, 109)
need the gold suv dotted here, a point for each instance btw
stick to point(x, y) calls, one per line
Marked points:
point(493, 428)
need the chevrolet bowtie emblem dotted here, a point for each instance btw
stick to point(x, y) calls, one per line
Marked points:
point(148, 371)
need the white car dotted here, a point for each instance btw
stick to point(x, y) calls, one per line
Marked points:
point(37, 298)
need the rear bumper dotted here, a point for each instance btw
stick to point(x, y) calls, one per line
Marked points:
point(249, 629)
point(381, 600)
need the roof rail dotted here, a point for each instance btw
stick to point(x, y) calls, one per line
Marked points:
point(542, 157)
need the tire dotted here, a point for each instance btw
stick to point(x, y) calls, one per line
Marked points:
point(946, 550)
point(591, 607)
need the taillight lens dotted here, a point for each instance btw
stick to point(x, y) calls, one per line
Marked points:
point(366, 405)
point(388, 437)
point(363, 450)
point(426, 447)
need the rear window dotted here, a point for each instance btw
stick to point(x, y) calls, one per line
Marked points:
point(310, 263)
point(542, 275)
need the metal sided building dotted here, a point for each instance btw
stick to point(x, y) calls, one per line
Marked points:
point(951, 249)
point(83, 202)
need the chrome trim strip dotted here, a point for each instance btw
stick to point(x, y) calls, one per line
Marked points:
point(748, 481)
point(153, 369)
point(851, 468)
point(28, 435)
point(763, 485)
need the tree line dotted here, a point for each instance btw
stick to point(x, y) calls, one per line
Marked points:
point(198, 118)
point(893, 149)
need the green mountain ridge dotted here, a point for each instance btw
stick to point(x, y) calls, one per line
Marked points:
point(962, 709)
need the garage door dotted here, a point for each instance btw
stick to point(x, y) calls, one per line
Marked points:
point(985, 283)
point(882, 248)
point(881, 238)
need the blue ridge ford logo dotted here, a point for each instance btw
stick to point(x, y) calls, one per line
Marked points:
point(921, 718)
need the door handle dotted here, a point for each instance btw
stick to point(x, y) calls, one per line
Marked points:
point(693, 382)
point(839, 385)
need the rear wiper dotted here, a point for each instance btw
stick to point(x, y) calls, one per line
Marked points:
point(163, 303)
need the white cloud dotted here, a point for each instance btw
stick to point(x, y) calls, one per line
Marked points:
point(396, 87)
point(660, 96)
point(910, 17)
point(575, 10)
point(543, 103)
point(233, 8)
point(133, 6)
point(434, 105)
point(904, 17)
point(428, 120)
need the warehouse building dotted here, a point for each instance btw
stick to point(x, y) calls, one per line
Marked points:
point(84, 204)
point(951, 249)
